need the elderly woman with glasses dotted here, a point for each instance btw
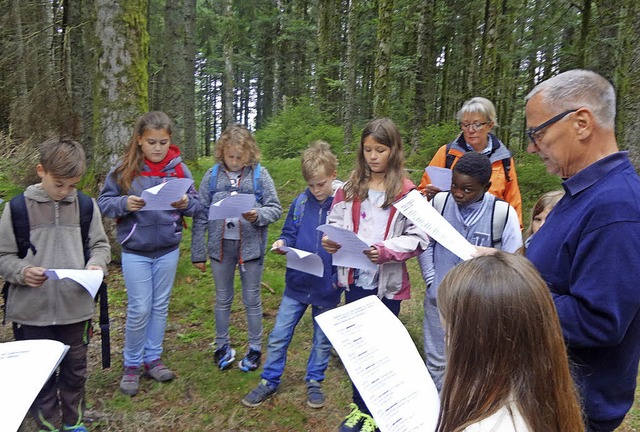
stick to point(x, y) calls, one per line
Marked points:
point(477, 118)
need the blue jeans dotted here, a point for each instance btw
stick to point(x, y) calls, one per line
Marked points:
point(250, 277)
point(149, 282)
point(289, 314)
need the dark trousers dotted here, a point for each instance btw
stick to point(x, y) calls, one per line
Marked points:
point(356, 293)
point(64, 391)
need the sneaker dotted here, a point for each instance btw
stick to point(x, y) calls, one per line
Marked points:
point(368, 424)
point(259, 394)
point(251, 361)
point(224, 356)
point(158, 371)
point(76, 428)
point(315, 396)
point(130, 382)
point(354, 420)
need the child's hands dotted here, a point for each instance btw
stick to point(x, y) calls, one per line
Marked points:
point(430, 191)
point(182, 203)
point(94, 267)
point(200, 266)
point(251, 216)
point(34, 276)
point(134, 203)
point(277, 245)
point(329, 245)
point(372, 253)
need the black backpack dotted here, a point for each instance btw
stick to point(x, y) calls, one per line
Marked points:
point(21, 230)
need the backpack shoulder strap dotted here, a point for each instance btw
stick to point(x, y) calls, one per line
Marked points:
point(298, 210)
point(20, 223)
point(499, 218)
point(440, 201)
point(506, 165)
point(213, 180)
point(257, 183)
point(85, 203)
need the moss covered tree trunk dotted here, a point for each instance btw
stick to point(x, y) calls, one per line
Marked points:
point(121, 84)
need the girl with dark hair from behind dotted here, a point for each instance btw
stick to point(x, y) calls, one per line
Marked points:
point(507, 367)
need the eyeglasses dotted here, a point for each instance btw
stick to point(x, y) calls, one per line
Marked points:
point(532, 132)
point(474, 126)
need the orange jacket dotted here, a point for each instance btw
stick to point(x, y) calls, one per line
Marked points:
point(508, 191)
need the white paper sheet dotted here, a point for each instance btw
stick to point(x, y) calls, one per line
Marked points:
point(440, 177)
point(304, 261)
point(161, 196)
point(25, 366)
point(351, 252)
point(89, 279)
point(418, 210)
point(384, 364)
point(232, 206)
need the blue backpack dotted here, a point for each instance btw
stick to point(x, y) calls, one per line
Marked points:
point(257, 181)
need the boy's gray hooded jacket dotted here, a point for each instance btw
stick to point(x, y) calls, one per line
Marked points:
point(55, 234)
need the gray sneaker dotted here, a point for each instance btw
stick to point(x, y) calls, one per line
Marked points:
point(259, 394)
point(130, 382)
point(158, 371)
point(315, 396)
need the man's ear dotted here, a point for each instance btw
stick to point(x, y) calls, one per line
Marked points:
point(584, 122)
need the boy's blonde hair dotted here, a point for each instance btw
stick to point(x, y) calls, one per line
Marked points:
point(237, 135)
point(63, 158)
point(318, 159)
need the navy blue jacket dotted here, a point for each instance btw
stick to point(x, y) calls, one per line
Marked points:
point(302, 234)
point(587, 252)
point(148, 233)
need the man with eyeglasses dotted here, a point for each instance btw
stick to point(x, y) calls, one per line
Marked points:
point(587, 250)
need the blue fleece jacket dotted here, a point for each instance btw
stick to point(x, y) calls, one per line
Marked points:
point(148, 233)
point(299, 231)
point(587, 252)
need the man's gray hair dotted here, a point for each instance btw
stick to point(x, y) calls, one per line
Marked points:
point(580, 88)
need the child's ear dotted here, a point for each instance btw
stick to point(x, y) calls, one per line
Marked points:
point(487, 186)
point(334, 175)
point(40, 170)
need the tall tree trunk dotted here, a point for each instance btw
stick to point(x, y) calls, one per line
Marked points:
point(189, 145)
point(174, 68)
point(383, 59)
point(423, 58)
point(228, 115)
point(350, 76)
point(82, 64)
point(122, 78)
point(584, 33)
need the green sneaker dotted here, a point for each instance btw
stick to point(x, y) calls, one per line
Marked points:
point(353, 421)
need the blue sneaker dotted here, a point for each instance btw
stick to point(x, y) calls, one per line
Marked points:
point(251, 361)
point(259, 394)
point(224, 356)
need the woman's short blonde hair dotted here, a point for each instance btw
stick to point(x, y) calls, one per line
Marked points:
point(479, 105)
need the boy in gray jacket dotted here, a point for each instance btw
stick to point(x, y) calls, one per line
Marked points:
point(55, 309)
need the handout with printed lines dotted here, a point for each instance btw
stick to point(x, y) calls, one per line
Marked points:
point(25, 366)
point(418, 210)
point(89, 279)
point(351, 252)
point(384, 365)
point(161, 196)
point(304, 261)
point(232, 206)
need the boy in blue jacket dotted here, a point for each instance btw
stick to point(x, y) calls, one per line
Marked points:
point(307, 212)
